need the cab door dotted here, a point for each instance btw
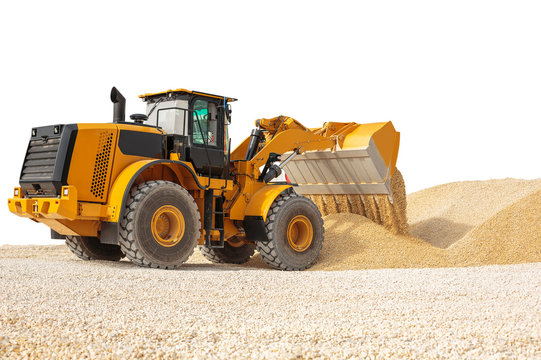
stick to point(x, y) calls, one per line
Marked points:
point(206, 128)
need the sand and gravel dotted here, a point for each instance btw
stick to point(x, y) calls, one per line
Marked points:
point(467, 223)
point(53, 304)
point(421, 295)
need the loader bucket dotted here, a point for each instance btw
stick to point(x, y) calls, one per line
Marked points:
point(358, 176)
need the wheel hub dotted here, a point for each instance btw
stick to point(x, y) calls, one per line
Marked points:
point(300, 233)
point(167, 226)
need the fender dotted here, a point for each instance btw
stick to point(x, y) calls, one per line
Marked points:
point(124, 182)
point(262, 200)
point(121, 189)
point(257, 210)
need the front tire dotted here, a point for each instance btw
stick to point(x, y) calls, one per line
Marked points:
point(160, 226)
point(90, 248)
point(295, 231)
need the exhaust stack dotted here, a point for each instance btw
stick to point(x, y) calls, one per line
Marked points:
point(119, 110)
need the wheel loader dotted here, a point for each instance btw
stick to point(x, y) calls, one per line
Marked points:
point(162, 183)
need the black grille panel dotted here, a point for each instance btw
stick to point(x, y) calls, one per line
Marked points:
point(40, 159)
point(47, 160)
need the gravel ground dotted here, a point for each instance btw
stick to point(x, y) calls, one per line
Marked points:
point(52, 303)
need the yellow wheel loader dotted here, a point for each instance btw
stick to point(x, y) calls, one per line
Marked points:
point(155, 187)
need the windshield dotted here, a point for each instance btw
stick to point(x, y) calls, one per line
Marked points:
point(205, 123)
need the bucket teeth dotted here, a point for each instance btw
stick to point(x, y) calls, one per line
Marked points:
point(342, 203)
point(356, 204)
point(331, 206)
point(371, 208)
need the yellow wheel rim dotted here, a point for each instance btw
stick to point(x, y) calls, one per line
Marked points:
point(168, 226)
point(235, 242)
point(300, 233)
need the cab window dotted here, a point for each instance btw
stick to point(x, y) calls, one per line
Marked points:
point(205, 123)
point(171, 120)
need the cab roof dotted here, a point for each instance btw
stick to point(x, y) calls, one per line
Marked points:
point(184, 91)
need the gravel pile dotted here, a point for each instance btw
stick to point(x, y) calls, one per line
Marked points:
point(459, 224)
point(53, 305)
point(444, 214)
point(513, 235)
point(494, 227)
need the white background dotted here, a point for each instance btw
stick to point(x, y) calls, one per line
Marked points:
point(461, 80)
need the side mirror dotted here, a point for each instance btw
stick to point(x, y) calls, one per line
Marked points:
point(229, 111)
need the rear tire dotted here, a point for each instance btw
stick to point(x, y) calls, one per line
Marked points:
point(229, 254)
point(295, 231)
point(160, 226)
point(90, 248)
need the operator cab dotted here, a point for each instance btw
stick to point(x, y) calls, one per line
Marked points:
point(196, 127)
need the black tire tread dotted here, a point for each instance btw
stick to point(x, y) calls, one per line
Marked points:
point(92, 251)
point(127, 240)
point(267, 249)
point(75, 248)
point(218, 256)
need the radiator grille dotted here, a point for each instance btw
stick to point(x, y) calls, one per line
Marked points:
point(101, 165)
point(40, 160)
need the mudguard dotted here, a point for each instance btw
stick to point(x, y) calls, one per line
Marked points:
point(262, 200)
point(257, 209)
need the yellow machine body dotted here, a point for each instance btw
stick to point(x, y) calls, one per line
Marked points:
point(104, 166)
